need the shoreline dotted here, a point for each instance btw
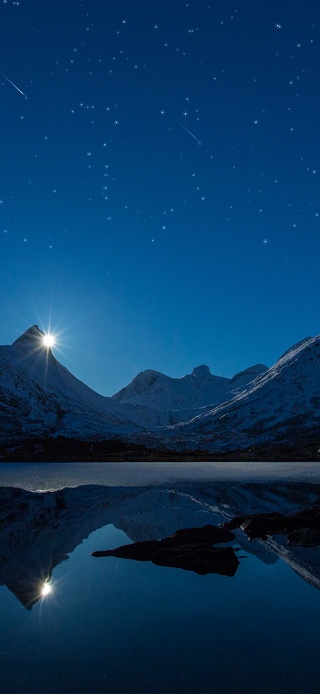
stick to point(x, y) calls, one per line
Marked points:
point(75, 450)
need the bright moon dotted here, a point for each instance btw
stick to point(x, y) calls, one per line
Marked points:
point(48, 340)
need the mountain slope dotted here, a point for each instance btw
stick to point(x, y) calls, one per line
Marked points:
point(257, 408)
point(279, 405)
point(178, 399)
point(39, 396)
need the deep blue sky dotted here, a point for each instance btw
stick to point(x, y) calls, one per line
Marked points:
point(145, 245)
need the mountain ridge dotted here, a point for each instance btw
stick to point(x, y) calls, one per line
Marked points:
point(258, 407)
point(290, 395)
point(200, 389)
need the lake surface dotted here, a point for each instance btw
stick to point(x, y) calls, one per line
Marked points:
point(120, 626)
point(54, 475)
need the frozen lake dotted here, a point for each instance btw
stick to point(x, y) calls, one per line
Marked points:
point(35, 476)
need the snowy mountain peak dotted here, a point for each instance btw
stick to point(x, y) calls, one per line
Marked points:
point(170, 400)
point(280, 405)
point(30, 337)
point(201, 372)
point(145, 379)
point(252, 371)
point(40, 398)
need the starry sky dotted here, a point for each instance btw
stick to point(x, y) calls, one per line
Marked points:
point(160, 173)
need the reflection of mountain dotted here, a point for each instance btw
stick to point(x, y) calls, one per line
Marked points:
point(39, 530)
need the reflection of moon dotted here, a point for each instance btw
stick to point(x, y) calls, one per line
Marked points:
point(46, 589)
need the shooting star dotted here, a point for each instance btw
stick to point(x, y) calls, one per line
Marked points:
point(14, 85)
point(190, 133)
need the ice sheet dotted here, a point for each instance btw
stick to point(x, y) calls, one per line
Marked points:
point(35, 476)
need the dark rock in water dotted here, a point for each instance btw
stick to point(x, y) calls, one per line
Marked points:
point(208, 533)
point(265, 525)
point(190, 549)
point(141, 551)
point(241, 521)
point(200, 558)
point(301, 528)
point(305, 537)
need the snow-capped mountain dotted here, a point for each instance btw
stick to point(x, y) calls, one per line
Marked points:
point(40, 397)
point(280, 405)
point(178, 399)
point(258, 407)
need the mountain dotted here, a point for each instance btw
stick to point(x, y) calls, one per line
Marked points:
point(178, 399)
point(40, 397)
point(256, 410)
point(279, 406)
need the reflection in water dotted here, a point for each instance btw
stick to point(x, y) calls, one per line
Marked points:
point(28, 589)
point(190, 549)
point(38, 531)
point(46, 590)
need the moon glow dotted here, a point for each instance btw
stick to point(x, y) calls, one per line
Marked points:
point(48, 340)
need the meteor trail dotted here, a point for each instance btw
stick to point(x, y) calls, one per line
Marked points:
point(14, 85)
point(190, 133)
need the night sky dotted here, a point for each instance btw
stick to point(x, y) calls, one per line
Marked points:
point(160, 173)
